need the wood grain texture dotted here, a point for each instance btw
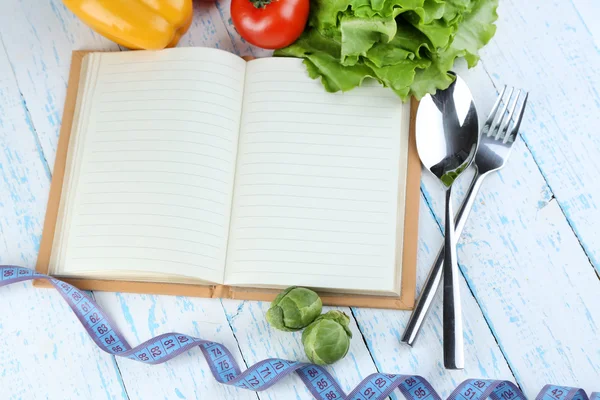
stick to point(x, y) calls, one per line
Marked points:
point(188, 376)
point(382, 330)
point(258, 340)
point(43, 347)
point(207, 30)
point(524, 253)
point(66, 34)
point(527, 270)
point(39, 38)
point(557, 57)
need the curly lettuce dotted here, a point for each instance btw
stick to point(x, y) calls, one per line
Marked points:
point(406, 45)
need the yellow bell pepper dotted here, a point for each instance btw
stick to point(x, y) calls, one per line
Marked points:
point(136, 24)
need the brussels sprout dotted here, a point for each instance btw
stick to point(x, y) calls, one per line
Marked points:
point(294, 309)
point(327, 339)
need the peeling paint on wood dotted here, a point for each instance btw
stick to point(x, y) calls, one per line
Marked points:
point(528, 253)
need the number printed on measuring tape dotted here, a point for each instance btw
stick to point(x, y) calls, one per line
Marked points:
point(264, 374)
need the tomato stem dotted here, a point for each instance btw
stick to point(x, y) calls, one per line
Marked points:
point(260, 3)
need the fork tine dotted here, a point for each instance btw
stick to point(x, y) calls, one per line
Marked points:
point(496, 126)
point(515, 131)
point(504, 128)
point(492, 114)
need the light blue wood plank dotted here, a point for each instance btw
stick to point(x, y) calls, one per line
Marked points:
point(588, 11)
point(39, 38)
point(383, 329)
point(192, 375)
point(555, 56)
point(43, 347)
point(526, 268)
point(516, 337)
point(258, 341)
point(188, 376)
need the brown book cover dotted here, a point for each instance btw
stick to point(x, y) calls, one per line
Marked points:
point(405, 301)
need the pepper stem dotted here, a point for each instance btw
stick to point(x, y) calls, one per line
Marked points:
point(260, 3)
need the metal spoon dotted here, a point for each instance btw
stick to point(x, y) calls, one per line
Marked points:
point(447, 138)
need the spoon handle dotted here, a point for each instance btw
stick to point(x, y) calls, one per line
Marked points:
point(454, 357)
point(432, 283)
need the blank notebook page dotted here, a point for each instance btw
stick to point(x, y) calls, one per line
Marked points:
point(316, 197)
point(153, 165)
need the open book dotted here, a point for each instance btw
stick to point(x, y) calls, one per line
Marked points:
point(192, 166)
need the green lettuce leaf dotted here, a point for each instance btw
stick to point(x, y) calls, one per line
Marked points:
point(322, 59)
point(406, 45)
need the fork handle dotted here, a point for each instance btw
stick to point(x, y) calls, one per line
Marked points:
point(434, 278)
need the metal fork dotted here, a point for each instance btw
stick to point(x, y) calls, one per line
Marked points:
point(497, 138)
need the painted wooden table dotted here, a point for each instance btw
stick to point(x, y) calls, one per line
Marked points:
point(530, 255)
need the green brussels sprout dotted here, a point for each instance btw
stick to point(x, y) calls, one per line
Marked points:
point(327, 339)
point(294, 309)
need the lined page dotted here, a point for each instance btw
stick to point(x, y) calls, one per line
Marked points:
point(153, 188)
point(317, 185)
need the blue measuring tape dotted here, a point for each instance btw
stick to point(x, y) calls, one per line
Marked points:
point(266, 373)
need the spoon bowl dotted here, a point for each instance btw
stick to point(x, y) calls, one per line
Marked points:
point(447, 140)
point(447, 131)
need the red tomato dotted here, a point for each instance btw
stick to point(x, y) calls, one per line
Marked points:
point(273, 24)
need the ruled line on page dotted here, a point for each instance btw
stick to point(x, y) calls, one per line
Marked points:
point(272, 121)
point(303, 218)
point(186, 80)
point(161, 141)
point(310, 241)
point(132, 247)
point(167, 109)
point(246, 271)
point(284, 131)
point(347, 94)
point(311, 230)
point(286, 81)
point(318, 113)
point(158, 161)
point(139, 203)
point(142, 214)
point(204, 71)
point(156, 194)
point(379, 107)
point(165, 119)
point(121, 131)
point(195, 153)
point(310, 197)
point(315, 176)
point(303, 81)
point(125, 171)
point(203, 91)
point(129, 63)
point(310, 263)
point(271, 71)
point(314, 187)
point(111, 101)
point(156, 182)
point(150, 226)
point(336, 145)
point(314, 165)
point(312, 208)
point(291, 153)
point(310, 252)
point(87, 235)
point(143, 258)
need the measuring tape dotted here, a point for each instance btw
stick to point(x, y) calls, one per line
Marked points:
point(266, 373)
